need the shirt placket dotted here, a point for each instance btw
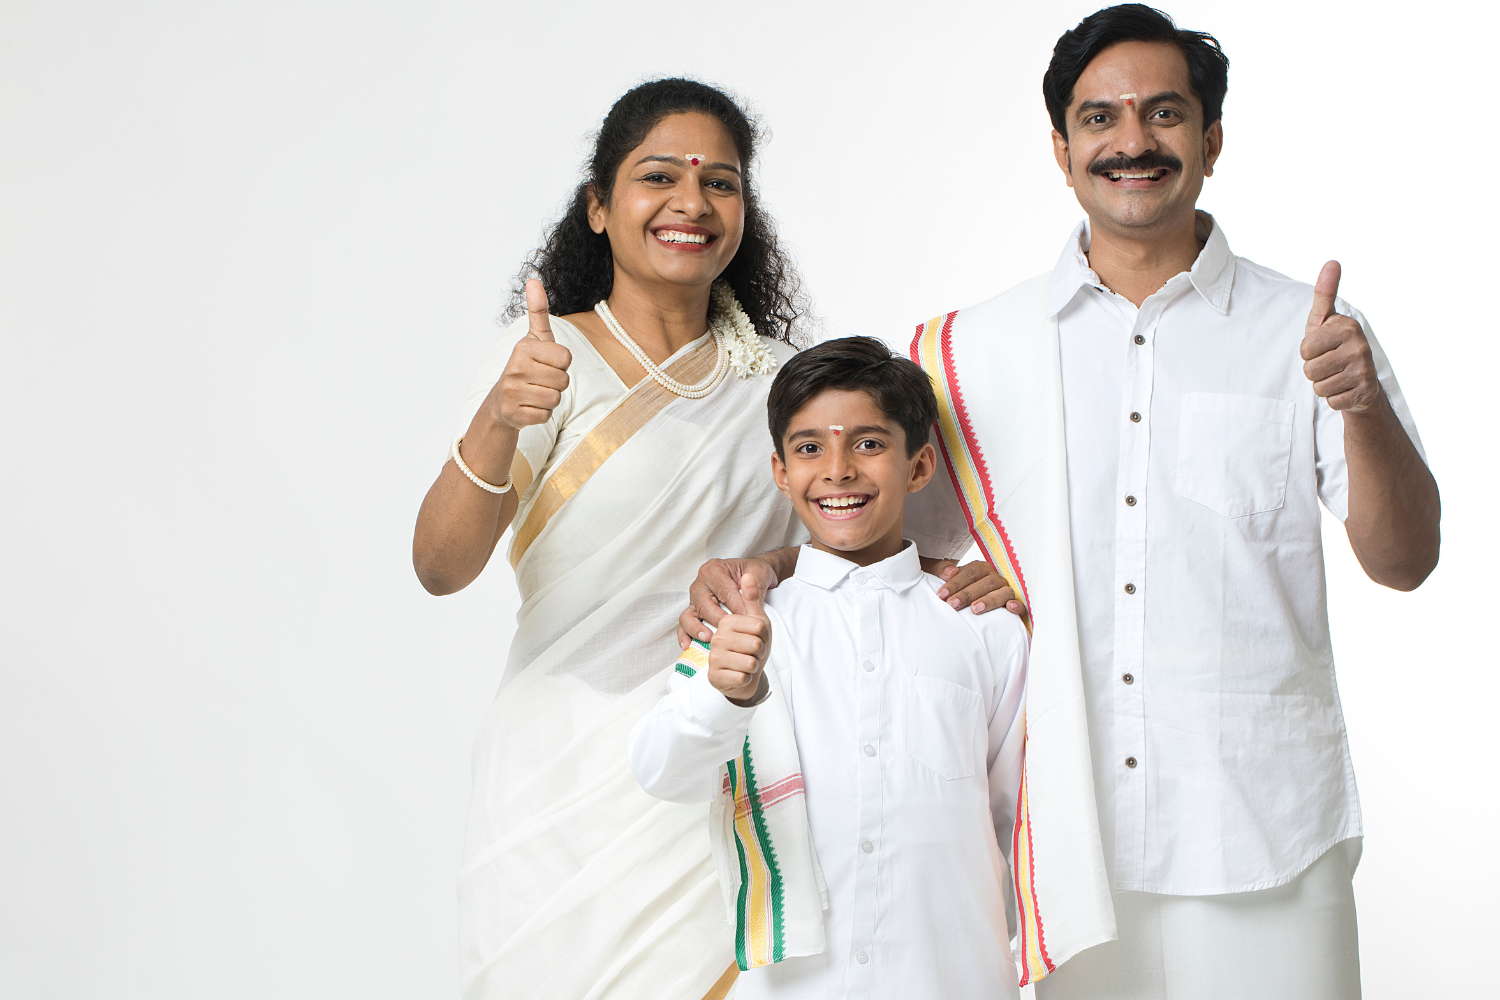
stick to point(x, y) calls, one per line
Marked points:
point(872, 750)
point(1130, 762)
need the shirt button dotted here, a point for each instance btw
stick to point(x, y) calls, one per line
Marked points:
point(1130, 501)
point(1130, 588)
point(869, 666)
point(869, 750)
point(861, 578)
point(1128, 678)
point(862, 958)
point(1130, 762)
point(1135, 418)
point(1139, 339)
point(867, 847)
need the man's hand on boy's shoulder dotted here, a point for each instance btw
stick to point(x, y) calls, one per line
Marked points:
point(717, 587)
point(737, 653)
point(976, 584)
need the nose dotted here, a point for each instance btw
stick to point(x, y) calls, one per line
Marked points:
point(1133, 138)
point(688, 198)
point(839, 469)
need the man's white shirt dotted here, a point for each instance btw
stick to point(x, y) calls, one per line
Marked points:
point(1197, 454)
point(909, 724)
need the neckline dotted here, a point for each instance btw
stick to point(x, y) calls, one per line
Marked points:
point(627, 389)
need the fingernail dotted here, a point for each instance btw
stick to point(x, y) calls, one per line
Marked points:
point(943, 594)
point(953, 603)
point(703, 636)
point(978, 607)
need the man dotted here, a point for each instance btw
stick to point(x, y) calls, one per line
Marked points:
point(1172, 562)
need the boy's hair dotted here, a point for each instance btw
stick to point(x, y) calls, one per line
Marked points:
point(899, 386)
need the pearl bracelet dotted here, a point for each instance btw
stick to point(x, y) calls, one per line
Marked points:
point(458, 460)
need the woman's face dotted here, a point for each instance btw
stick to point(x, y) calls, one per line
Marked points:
point(678, 209)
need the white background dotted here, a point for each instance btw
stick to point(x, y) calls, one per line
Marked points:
point(249, 258)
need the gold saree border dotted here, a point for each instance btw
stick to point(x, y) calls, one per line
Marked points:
point(720, 989)
point(643, 402)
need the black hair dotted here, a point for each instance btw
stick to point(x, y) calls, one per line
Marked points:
point(575, 263)
point(898, 385)
point(1208, 66)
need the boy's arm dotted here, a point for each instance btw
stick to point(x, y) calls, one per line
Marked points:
point(676, 750)
point(1007, 733)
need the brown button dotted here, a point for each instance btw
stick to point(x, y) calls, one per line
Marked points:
point(1130, 762)
point(1135, 418)
point(1139, 339)
point(1130, 588)
point(1128, 678)
point(1130, 501)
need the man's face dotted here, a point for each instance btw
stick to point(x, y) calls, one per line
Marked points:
point(1137, 164)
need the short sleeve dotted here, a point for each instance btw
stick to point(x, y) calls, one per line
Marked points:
point(1328, 425)
point(535, 442)
point(934, 518)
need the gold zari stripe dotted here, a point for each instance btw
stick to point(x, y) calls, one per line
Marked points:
point(633, 412)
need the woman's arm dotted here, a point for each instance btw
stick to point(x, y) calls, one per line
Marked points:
point(459, 523)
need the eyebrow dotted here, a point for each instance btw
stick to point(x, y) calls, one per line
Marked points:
point(816, 432)
point(680, 162)
point(1104, 105)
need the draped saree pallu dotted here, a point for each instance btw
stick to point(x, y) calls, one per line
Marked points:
point(577, 884)
point(1062, 894)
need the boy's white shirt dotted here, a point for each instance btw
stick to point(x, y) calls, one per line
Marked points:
point(908, 719)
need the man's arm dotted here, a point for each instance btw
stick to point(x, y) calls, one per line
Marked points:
point(1394, 507)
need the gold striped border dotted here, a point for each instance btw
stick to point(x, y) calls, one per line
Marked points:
point(643, 402)
point(720, 989)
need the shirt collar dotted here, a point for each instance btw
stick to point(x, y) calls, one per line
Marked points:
point(824, 569)
point(1212, 273)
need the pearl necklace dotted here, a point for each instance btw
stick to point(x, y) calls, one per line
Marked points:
point(696, 391)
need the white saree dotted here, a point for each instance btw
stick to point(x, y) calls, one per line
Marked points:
point(577, 885)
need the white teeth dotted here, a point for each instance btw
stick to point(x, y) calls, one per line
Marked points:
point(839, 503)
point(673, 236)
point(1151, 175)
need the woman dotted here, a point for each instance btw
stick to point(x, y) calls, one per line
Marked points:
point(627, 444)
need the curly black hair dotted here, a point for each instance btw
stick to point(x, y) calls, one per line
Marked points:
point(575, 263)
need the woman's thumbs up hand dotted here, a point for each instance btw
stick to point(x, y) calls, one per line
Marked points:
point(534, 380)
point(737, 654)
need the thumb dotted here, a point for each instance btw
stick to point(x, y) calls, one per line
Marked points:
point(536, 311)
point(755, 598)
point(1324, 292)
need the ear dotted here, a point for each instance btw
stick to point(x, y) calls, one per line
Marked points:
point(778, 473)
point(1213, 145)
point(596, 212)
point(1063, 157)
point(923, 465)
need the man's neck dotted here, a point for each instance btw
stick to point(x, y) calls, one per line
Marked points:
point(1137, 265)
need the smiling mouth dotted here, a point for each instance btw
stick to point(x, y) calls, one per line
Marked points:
point(677, 236)
point(1136, 175)
point(847, 505)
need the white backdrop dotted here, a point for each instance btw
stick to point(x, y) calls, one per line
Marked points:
point(249, 258)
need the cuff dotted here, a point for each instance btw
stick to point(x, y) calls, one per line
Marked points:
point(708, 707)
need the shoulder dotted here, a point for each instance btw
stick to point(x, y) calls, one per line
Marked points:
point(780, 349)
point(1000, 633)
point(1027, 299)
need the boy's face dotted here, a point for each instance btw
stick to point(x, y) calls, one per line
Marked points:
point(849, 485)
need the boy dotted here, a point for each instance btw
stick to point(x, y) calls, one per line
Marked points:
point(866, 726)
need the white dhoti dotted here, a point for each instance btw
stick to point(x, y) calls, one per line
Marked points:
point(1297, 941)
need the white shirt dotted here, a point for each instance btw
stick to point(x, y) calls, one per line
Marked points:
point(908, 718)
point(1197, 454)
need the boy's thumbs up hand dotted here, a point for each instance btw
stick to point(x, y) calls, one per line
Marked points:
point(1336, 352)
point(737, 654)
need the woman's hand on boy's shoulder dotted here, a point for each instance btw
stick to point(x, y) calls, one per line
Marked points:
point(976, 585)
point(737, 654)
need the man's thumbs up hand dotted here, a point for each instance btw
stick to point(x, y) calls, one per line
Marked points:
point(1335, 352)
point(533, 381)
point(737, 654)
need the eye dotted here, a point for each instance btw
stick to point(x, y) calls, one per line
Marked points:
point(657, 178)
point(722, 185)
point(807, 448)
point(869, 444)
point(1096, 119)
point(1165, 115)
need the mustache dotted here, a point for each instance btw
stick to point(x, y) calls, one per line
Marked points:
point(1146, 161)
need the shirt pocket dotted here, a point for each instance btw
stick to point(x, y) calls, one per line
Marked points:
point(1233, 452)
point(942, 721)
